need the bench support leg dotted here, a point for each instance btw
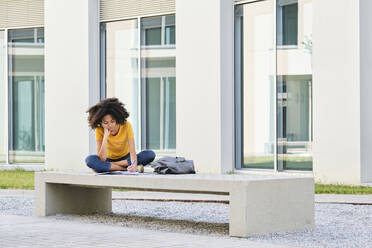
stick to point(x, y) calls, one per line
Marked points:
point(66, 199)
point(262, 207)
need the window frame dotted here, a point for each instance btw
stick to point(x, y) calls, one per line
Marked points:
point(238, 94)
point(103, 85)
point(7, 98)
point(279, 22)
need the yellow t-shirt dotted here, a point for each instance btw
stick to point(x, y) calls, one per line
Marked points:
point(117, 146)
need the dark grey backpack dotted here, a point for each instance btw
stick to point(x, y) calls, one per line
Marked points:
point(173, 165)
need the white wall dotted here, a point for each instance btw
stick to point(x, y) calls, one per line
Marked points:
point(227, 85)
point(336, 91)
point(366, 89)
point(71, 69)
point(204, 89)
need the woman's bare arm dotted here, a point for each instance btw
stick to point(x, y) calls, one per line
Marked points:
point(133, 155)
point(102, 146)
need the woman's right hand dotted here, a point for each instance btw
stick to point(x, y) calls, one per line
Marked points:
point(106, 133)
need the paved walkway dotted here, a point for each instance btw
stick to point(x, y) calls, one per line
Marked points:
point(21, 231)
point(26, 231)
point(30, 231)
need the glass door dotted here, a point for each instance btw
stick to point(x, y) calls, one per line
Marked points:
point(26, 95)
point(294, 84)
point(121, 67)
point(273, 84)
point(158, 83)
point(138, 66)
point(255, 84)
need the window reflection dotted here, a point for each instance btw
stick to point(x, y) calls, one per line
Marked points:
point(287, 22)
point(151, 29)
point(122, 67)
point(264, 73)
point(158, 83)
point(170, 29)
point(151, 95)
point(256, 68)
point(26, 95)
point(294, 88)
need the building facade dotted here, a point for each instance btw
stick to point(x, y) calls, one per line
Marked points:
point(268, 86)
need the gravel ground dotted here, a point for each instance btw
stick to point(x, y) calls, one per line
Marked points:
point(337, 225)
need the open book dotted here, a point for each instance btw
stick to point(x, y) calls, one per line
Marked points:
point(117, 173)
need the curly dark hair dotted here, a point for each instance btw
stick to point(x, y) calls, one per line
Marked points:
point(108, 106)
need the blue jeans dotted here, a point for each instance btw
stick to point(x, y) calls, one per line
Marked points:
point(93, 161)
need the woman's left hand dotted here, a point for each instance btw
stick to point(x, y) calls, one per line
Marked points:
point(132, 168)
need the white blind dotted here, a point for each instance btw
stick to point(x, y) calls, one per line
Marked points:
point(19, 13)
point(118, 9)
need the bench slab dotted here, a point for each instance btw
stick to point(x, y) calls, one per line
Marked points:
point(259, 204)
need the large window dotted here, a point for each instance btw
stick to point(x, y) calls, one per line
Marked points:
point(294, 89)
point(139, 63)
point(158, 79)
point(274, 85)
point(121, 66)
point(26, 95)
point(287, 22)
point(256, 94)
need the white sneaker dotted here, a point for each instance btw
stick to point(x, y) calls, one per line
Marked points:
point(140, 168)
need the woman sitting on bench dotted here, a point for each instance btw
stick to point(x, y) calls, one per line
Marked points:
point(115, 139)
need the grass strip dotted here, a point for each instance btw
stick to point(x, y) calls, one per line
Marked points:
point(342, 189)
point(16, 179)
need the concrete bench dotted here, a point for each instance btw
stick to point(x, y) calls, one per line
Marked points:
point(259, 204)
